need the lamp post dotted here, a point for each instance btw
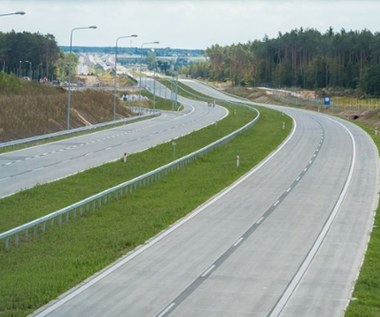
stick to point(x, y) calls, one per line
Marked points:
point(13, 13)
point(115, 73)
point(69, 87)
point(30, 69)
point(155, 42)
point(19, 69)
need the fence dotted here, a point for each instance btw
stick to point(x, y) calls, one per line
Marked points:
point(39, 225)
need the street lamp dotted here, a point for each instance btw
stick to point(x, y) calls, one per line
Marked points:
point(19, 69)
point(31, 71)
point(69, 87)
point(155, 42)
point(13, 13)
point(115, 73)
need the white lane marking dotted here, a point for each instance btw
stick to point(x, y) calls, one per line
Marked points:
point(166, 310)
point(289, 189)
point(276, 203)
point(298, 178)
point(260, 220)
point(284, 299)
point(205, 273)
point(305, 169)
point(237, 242)
point(9, 163)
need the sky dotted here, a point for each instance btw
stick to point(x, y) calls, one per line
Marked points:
point(195, 24)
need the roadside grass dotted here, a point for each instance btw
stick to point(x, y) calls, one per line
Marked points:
point(38, 271)
point(366, 296)
point(184, 90)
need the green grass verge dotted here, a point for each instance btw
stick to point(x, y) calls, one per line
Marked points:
point(36, 272)
point(366, 294)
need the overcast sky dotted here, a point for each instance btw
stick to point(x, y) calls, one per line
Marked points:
point(184, 24)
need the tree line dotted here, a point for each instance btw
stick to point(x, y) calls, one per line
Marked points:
point(28, 54)
point(302, 58)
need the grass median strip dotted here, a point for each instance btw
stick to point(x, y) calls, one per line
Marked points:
point(37, 272)
point(43, 199)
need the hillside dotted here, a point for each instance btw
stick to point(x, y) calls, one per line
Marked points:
point(35, 109)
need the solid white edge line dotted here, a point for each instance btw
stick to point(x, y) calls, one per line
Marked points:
point(113, 267)
point(284, 300)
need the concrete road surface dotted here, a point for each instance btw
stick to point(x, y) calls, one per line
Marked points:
point(44, 163)
point(287, 239)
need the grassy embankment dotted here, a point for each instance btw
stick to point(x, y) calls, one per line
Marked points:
point(38, 109)
point(38, 271)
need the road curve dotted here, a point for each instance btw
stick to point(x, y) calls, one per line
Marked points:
point(287, 239)
point(44, 163)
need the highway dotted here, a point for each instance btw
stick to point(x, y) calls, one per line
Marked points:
point(287, 239)
point(44, 163)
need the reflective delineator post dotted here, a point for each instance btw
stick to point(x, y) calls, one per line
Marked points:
point(125, 157)
point(237, 160)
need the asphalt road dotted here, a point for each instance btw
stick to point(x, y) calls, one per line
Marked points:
point(44, 163)
point(285, 240)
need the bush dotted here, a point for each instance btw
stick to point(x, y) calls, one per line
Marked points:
point(9, 83)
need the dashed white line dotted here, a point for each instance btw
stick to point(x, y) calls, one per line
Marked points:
point(260, 220)
point(298, 178)
point(276, 203)
point(166, 310)
point(208, 270)
point(289, 189)
point(237, 242)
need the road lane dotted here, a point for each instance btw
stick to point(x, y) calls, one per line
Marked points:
point(237, 254)
point(25, 168)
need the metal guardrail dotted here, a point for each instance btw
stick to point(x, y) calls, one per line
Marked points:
point(142, 113)
point(24, 231)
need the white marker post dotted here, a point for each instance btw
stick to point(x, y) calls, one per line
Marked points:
point(237, 160)
point(283, 125)
point(125, 157)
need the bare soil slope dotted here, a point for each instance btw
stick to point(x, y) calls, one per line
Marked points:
point(38, 109)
